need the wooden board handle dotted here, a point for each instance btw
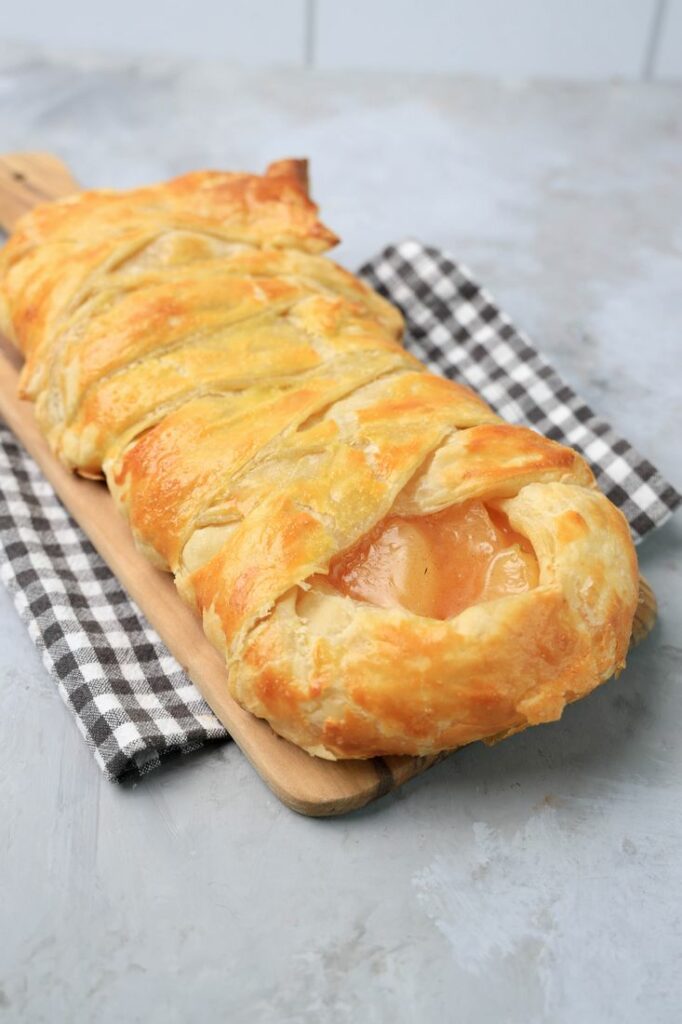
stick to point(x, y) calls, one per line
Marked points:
point(27, 179)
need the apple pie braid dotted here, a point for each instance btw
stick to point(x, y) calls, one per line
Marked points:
point(387, 567)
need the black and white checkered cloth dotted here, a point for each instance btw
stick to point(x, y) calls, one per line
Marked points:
point(455, 328)
point(132, 701)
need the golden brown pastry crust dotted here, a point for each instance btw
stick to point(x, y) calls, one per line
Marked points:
point(255, 414)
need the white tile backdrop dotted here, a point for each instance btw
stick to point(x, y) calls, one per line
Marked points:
point(251, 32)
point(669, 53)
point(594, 39)
point(588, 39)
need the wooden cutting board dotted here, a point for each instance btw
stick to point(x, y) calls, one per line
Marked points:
point(304, 783)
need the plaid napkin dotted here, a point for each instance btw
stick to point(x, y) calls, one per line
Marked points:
point(132, 701)
point(455, 328)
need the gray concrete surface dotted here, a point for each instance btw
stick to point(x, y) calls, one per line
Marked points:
point(535, 882)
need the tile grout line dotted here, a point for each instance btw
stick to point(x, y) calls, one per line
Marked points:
point(654, 39)
point(309, 33)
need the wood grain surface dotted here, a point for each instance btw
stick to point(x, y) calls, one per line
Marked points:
point(306, 784)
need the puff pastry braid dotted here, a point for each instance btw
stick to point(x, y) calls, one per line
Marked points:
point(386, 565)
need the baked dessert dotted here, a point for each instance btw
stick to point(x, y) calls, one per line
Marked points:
point(387, 567)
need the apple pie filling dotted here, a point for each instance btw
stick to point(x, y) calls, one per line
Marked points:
point(437, 565)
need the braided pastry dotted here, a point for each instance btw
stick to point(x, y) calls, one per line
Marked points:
point(386, 565)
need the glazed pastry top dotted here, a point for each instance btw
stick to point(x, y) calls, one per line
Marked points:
point(387, 566)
